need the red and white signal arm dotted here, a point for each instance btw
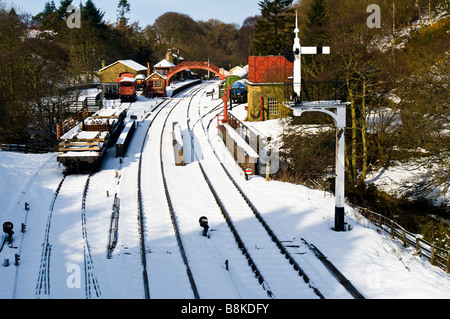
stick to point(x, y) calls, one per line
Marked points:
point(248, 171)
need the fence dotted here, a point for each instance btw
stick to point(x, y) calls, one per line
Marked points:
point(318, 91)
point(435, 255)
point(24, 149)
point(254, 140)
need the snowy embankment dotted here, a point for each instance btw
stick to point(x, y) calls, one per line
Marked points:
point(376, 265)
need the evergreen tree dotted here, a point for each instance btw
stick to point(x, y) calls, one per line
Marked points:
point(62, 10)
point(123, 8)
point(317, 18)
point(92, 15)
point(273, 31)
point(317, 15)
point(48, 17)
point(49, 8)
point(88, 42)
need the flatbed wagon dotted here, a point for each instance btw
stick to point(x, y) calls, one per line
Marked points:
point(84, 146)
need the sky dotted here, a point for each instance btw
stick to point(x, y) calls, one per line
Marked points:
point(147, 11)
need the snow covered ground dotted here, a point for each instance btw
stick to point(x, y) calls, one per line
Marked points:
point(402, 178)
point(376, 265)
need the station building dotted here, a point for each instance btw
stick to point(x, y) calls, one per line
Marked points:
point(156, 81)
point(156, 84)
point(109, 74)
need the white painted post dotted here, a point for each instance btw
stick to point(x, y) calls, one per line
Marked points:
point(297, 80)
point(339, 223)
point(336, 110)
point(298, 51)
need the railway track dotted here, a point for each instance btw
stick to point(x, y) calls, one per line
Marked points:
point(90, 280)
point(67, 216)
point(43, 280)
point(233, 210)
point(283, 249)
point(241, 246)
point(144, 213)
point(190, 248)
point(254, 240)
point(285, 288)
point(43, 283)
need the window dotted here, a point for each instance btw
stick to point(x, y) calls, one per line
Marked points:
point(158, 84)
point(274, 108)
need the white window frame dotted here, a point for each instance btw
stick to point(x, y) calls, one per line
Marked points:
point(273, 107)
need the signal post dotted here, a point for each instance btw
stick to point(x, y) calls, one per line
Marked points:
point(336, 109)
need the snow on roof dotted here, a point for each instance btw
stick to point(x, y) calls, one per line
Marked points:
point(239, 71)
point(130, 63)
point(156, 72)
point(126, 79)
point(164, 64)
point(177, 57)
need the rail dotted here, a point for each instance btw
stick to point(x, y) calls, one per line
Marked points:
point(114, 227)
point(259, 217)
point(161, 106)
point(172, 212)
point(43, 280)
point(435, 255)
point(334, 271)
point(90, 280)
point(140, 209)
point(224, 212)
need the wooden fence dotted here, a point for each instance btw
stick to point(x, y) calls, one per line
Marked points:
point(25, 149)
point(252, 139)
point(435, 255)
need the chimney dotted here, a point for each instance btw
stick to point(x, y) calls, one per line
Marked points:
point(148, 69)
point(169, 56)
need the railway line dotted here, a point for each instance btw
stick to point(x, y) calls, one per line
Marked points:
point(183, 220)
point(216, 252)
point(57, 262)
point(157, 221)
point(287, 250)
point(249, 237)
point(233, 214)
point(56, 258)
point(244, 253)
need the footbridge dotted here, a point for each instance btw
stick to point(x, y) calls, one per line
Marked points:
point(197, 65)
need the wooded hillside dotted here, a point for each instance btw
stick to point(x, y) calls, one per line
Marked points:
point(397, 84)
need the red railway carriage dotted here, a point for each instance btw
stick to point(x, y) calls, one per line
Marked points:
point(127, 87)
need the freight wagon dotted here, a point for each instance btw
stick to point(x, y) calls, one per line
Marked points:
point(84, 146)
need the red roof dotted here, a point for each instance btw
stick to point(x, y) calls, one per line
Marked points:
point(269, 69)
